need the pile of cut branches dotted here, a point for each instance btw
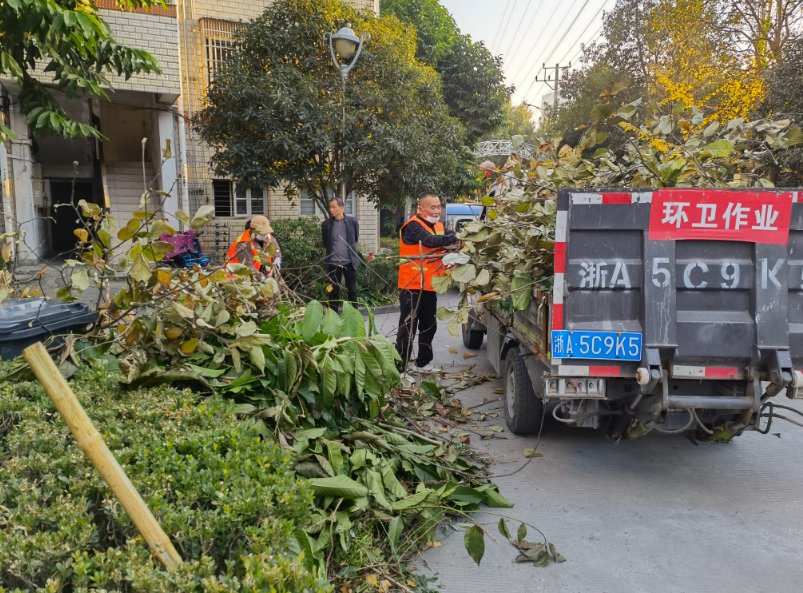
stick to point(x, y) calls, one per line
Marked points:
point(322, 385)
point(507, 258)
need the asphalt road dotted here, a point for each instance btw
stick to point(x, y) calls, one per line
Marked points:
point(659, 514)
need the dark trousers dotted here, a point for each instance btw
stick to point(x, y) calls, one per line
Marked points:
point(335, 273)
point(417, 314)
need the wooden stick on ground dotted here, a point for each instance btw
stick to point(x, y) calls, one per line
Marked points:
point(94, 447)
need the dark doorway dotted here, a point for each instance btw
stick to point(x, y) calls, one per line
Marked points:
point(64, 196)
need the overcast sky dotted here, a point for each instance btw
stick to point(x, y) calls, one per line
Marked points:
point(528, 33)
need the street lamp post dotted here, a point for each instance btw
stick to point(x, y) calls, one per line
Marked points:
point(345, 48)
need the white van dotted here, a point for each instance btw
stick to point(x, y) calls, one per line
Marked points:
point(458, 214)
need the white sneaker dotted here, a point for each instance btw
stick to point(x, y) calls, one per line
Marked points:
point(407, 379)
point(427, 369)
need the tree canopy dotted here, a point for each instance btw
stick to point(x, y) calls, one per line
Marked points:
point(784, 100)
point(473, 86)
point(68, 42)
point(517, 121)
point(279, 113)
point(762, 29)
point(473, 80)
point(436, 30)
point(710, 54)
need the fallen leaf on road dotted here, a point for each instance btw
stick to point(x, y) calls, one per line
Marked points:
point(539, 553)
point(453, 350)
point(499, 390)
point(372, 580)
point(531, 453)
point(469, 355)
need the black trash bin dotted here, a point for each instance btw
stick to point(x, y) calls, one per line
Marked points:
point(25, 321)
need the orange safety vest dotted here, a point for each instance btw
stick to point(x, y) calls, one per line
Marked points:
point(245, 237)
point(418, 266)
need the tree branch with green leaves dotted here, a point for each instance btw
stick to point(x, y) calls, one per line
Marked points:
point(53, 47)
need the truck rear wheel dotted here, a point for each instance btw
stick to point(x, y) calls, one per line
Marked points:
point(524, 408)
point(472, 338)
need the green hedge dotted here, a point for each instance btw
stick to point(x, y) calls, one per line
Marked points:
point(377, 280)
point(226, 498)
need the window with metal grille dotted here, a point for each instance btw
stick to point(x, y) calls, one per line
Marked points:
point(249, 200)
point(218, 36)
point(232, 199)
point(221, 188)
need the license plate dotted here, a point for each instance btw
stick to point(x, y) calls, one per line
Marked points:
point(594, 345)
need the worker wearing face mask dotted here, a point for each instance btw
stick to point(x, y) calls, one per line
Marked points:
point(422, 244)
point(257, 247)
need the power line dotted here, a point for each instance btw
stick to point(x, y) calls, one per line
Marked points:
point(518, 27)
point(537, 41)
point(580, 36)
point(579, 52)
point(502, 20)
point(566, 32)
point(509, 16)
point(557, 68)
point(547, 44)
point(512, 54)
point(581, 39)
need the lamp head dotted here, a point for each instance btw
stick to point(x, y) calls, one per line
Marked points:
point(345, 42)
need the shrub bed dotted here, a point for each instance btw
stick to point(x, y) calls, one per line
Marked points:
point(227, 498)
point(376, 280)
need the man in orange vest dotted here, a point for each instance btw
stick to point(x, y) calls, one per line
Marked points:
point(257, 247)
point(422, 243)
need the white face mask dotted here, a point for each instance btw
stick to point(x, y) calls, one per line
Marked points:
point(432, 219)
point(262, 237)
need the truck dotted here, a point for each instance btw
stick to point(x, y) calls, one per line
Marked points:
point(672, 310)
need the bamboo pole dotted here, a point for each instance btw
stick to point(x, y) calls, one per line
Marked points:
point(94, 447)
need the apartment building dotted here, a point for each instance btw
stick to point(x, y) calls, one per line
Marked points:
point(207, 29)
point(43, 176)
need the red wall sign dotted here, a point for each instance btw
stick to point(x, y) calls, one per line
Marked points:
point(754, 216)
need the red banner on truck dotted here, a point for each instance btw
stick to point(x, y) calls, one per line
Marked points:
point(751, 216)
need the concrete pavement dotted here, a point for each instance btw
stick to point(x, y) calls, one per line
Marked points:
point(658, 514)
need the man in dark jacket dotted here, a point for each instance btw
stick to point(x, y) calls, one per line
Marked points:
point(340, 235)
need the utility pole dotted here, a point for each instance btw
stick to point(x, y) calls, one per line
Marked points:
point(548, 79)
